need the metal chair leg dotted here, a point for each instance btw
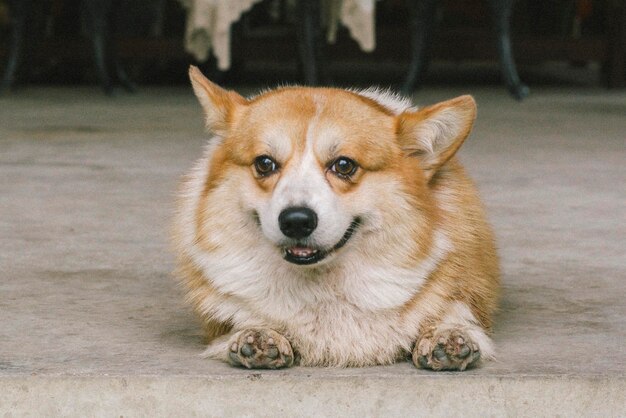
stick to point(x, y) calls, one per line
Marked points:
point(114, 16)
point(96, 14)
point(421, 18)
point(308, 29)
point(501, 13)
point(19, 10)
point(123, 78)
point(614, 67)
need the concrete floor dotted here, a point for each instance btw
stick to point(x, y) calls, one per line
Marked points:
point(92, 324)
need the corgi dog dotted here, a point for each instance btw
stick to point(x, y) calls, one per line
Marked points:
point(330, 227)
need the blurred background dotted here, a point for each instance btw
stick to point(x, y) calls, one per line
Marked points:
point(152, 42)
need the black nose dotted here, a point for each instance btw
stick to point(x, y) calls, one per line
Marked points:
point(297, 222)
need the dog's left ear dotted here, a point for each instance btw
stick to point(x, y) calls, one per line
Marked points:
point(219, 105)
point(435, 133)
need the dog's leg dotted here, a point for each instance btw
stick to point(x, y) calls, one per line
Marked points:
point(255, 348)
point(456, 342)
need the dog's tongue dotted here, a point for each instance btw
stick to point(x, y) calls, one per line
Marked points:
point(302, 251)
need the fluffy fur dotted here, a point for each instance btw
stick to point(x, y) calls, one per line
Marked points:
point(418, 276)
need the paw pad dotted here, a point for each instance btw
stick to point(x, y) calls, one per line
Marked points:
point(447, 350)
point(261, 349)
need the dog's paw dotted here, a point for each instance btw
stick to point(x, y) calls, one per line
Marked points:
point(450, 349)
point(260, 349)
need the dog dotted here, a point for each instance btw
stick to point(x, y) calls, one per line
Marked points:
point(330, 227)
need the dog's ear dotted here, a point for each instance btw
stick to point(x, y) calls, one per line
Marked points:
point(219, 105)
point(434, 134)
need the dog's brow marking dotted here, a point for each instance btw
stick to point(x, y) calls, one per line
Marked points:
point(331, 144)
point(278, 143)
point(271, 148)
point(332, 150)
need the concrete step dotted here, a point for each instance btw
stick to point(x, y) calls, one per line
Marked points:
point(384, 392)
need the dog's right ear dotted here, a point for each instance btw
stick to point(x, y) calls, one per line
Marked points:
point(219, 105)
point(435, 133)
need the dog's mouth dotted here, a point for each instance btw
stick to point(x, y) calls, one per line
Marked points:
point(303, 255)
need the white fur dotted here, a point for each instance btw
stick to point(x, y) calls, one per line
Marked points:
point(437, 133)
point(394, 102)
point(460, 317)
point(381, 286)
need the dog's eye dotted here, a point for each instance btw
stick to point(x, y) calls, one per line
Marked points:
point(344, 167)
point(264, 165)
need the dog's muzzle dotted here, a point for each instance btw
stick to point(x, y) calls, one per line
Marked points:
point(304, 255)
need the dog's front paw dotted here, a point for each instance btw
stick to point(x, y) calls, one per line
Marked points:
point(449, 349)
point(260, 349)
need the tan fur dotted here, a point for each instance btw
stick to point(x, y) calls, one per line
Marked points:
point(477, 286)
point(421, 266)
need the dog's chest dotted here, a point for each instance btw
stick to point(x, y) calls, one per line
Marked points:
point(338, 323)
point(342, 334)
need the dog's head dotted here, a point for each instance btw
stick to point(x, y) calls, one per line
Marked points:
point(314, 168)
